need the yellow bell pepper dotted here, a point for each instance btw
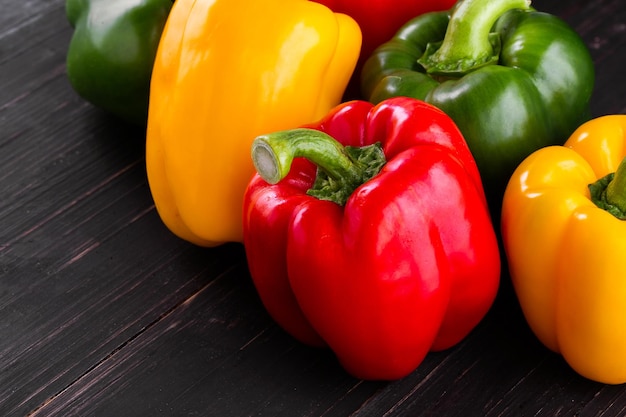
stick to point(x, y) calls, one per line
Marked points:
point(566, 254)
point(227, 71)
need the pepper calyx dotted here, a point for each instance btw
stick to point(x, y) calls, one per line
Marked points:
point(340, 170)
point(469, 43)
point(609, 192)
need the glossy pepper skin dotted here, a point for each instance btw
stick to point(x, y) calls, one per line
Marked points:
point(222, 76)
point(566, 254)
point(512, 78)
point(112, 50)
point(407, 264)
point(380, 19)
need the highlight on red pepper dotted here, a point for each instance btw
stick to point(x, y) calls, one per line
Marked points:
point(369, 233)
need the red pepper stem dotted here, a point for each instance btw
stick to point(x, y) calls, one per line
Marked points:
point(467, 44)
point(616, 190)
point(340, 170)
point(272, 154)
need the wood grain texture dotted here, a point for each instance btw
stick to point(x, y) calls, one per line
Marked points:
point(103, 312)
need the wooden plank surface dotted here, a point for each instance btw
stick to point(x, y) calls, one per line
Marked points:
point(103, 312)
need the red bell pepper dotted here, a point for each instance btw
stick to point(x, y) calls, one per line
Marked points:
point(382, 265)
point(379, 20)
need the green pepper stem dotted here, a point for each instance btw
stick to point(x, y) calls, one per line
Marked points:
point(467, 44)
point(340, 169)
point(616, 190)
point(273, 154)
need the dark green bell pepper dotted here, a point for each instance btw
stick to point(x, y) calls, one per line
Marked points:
point(112, 51)
point(513, 79)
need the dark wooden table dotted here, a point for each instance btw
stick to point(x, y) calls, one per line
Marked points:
point(103, 312)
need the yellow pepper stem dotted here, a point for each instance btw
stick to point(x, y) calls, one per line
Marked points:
point(609, 192)
point(616, 190)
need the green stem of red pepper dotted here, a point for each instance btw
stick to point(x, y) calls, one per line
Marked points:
point(468, 43)
point(340, 169)
point(609, 192)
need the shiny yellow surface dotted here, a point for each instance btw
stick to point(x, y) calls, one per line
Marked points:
point(227, 71)
point(567, 257)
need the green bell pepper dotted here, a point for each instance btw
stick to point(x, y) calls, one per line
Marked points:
point(513, 79)
point(112, 51)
